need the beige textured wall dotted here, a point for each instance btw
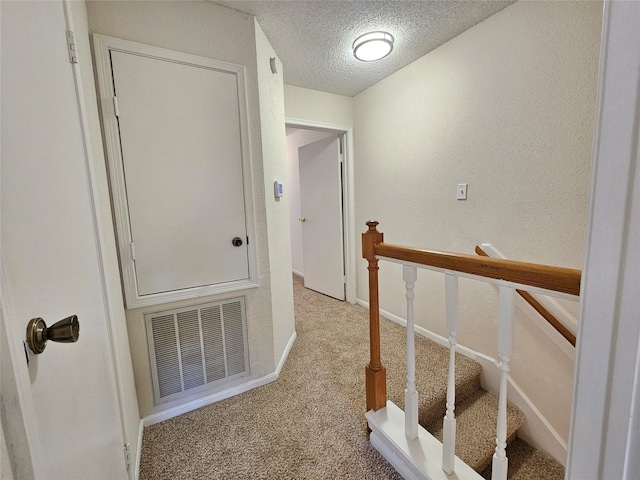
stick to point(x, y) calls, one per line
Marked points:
point(306, 104)
point(208, 30)
point(270, 87)
point(507, 107)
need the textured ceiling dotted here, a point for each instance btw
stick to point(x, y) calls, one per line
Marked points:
point(313, 38)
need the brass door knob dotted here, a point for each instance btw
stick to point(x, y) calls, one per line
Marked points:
point(302, 219)
point(66, 330)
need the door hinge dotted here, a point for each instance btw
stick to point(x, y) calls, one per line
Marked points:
point(127, 455)
point(341, 139)
point(133, 251)
point(116, 110)
point(71, 47)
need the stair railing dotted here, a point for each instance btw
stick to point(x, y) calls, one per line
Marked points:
point(538, 307)
point(409, 454)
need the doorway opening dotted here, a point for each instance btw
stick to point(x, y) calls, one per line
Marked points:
point(320, 190)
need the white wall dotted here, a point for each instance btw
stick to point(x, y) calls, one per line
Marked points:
point(508, 107)
point(271, 92)
point(209, 30)
point(312, 105)
point(294, 141)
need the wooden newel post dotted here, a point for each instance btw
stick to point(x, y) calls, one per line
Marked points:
point(376, 374)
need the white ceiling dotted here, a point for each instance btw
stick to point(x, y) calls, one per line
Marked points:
point(313, 38)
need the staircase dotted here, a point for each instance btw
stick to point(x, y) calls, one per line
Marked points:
point(405, 429)
point(476, 411)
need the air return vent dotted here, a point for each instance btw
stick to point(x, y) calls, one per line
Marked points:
point(194, 348)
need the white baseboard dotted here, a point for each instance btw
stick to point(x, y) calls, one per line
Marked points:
point(296, 272)
point(139, 450)
point(536, 431)
point(285, 354)
point(223, 395)
point(208, 400)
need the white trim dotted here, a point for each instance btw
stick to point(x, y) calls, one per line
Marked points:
point(208, 400)
point(285, 354)
point(223, 395)
point(296, 272)
point(115, 364)
point(602, 441)
point(136, 471)
point(536, 430)
point(103, 45)
point(348, 195)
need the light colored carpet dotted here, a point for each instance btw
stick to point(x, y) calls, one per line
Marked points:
point(309, 424)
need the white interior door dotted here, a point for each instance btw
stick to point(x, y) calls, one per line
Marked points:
point(182, 159)
point(321, 206)
point(50, 260)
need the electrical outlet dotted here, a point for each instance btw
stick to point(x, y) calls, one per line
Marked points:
point(462, 191)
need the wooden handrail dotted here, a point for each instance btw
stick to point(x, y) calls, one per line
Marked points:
point(559, 279)
point(546, 314)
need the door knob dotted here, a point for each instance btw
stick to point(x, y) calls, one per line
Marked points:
point(66, 330)
point(302, 219)
point(236, 242)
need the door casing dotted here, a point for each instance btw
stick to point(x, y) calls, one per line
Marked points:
point(348, 197)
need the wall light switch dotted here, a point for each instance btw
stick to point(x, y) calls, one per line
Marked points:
point(277, 189)
point(462, 191)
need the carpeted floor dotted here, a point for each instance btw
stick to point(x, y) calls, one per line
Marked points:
point(309, 424)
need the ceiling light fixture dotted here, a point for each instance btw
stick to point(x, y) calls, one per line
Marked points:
point(373, 46)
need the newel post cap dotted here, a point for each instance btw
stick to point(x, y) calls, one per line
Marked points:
point(369, 240)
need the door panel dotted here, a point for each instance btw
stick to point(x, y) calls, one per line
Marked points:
point(182, 158)
point(49, 255)
point(321, 206)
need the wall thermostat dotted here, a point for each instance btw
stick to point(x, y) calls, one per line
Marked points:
point(277, 189)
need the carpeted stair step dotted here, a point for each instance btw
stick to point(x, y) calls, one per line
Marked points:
point(432, 367)
point(527, 463)
point(476, 428)
point(433, 401)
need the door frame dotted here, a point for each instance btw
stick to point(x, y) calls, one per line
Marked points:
point(348, 197)
point(103, 45)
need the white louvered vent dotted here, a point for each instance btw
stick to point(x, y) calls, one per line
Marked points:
point(194, 348)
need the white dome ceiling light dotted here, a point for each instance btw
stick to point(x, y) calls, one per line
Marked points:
point(373, 46)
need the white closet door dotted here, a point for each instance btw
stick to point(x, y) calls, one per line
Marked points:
point(321, 206)
point(182, 159)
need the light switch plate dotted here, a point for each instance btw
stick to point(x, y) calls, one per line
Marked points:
point(462, 191)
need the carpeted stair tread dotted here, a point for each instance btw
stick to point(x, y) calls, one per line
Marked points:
point(476, 419)
point(432, 367)
point(527, 463)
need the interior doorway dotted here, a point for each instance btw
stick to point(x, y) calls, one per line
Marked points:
point(319, 160)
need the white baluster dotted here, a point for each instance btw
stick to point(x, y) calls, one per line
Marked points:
point(449, 423)
point(505, 338)
point(410, 275)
